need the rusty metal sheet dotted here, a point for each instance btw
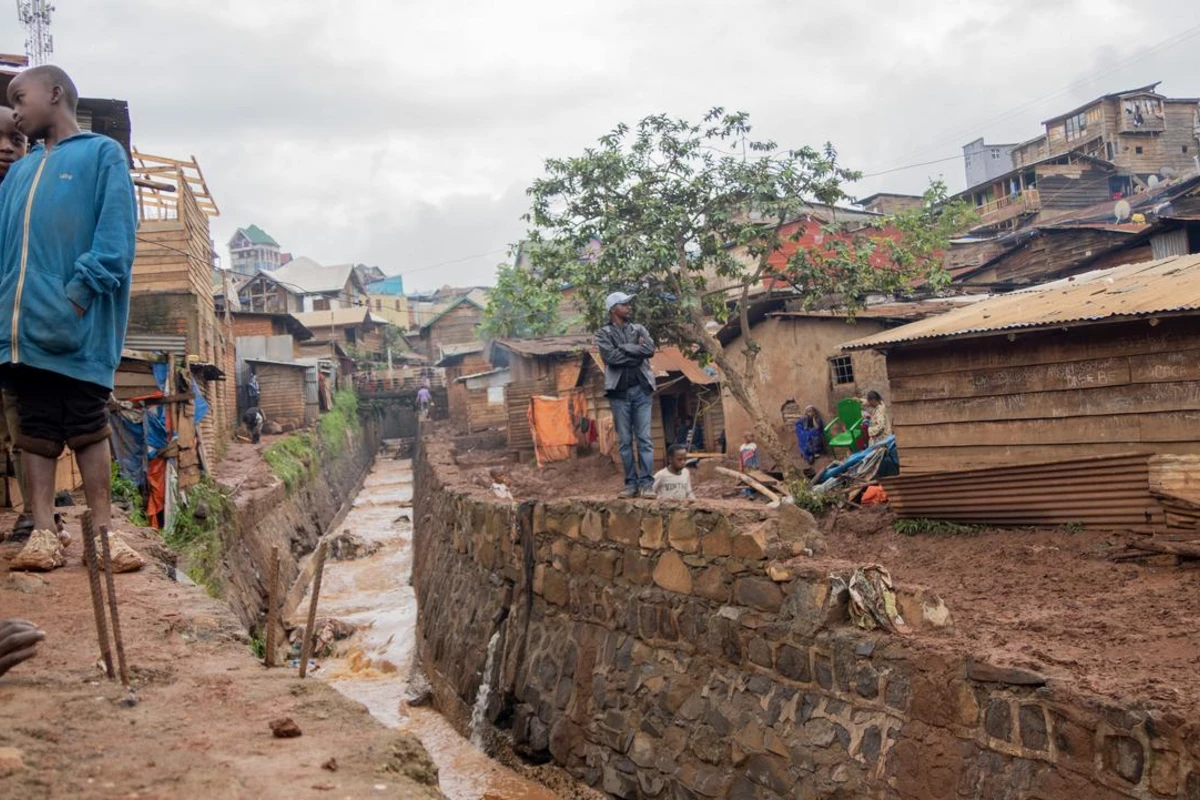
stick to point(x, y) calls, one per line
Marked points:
point(1105, 491)
point(1170, 285)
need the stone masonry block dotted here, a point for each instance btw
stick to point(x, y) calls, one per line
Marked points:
point(760, 593)
point(636, 568)
point(718, 542)
point(681, 533)
point(712, 585)
point(592, 526)
point(556, 588)
point(750, 546)
point(672, 574)
point(1124, 756)
point(605, 564)
point(652, 532)
point(625, 525)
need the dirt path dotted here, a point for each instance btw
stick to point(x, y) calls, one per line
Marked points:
point(201, 728)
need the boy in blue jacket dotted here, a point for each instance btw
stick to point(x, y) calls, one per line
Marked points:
point(67, 222)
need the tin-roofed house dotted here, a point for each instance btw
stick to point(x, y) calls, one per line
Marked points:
point(1096, 374)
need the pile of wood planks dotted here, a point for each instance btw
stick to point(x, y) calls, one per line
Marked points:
point(1138, 491)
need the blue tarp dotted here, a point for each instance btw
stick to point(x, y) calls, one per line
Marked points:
point(889, 466)
point(201, 404)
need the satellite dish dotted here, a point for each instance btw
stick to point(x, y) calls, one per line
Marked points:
point(1152, 181)
point(1122, 210)
point(1168, 173)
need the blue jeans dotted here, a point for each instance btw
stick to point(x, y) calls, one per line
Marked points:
point(631, 418)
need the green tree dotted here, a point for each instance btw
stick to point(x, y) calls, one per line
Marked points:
point(523, 303)
point(681, 206)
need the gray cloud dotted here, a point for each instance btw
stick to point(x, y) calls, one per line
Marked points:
point(402, 134)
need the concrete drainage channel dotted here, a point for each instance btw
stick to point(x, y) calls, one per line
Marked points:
point(375, 665)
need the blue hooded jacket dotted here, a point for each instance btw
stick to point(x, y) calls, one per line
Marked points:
point(67, 224)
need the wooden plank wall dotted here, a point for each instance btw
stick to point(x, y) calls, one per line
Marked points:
point(481, 414)
point(516, 402)
point(282, 393)
point(1088, 391)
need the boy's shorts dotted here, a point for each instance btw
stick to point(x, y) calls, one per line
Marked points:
point(56, 410)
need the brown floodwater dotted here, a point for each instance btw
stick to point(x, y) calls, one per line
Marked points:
point(373, 666)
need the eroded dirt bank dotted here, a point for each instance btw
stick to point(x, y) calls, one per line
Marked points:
point(201, 728)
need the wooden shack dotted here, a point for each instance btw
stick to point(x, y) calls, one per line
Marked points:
point(483, 397)
point(558, 365)
point(1100, 364)
point(459, 360)
point(683, 390)
point(456, 324)
point(547, 365)
point(282, 390)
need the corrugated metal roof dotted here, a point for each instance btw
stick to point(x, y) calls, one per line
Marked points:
point(292, 364)
point(156, 342)
point(549, 345)
point(670, 359)
point(305, 276)
point(1171, 285)
point(338, 317)
point(917, 309)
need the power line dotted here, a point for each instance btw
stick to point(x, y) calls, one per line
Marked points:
point(452, 262)
point(1169, 42)
point(912, 166)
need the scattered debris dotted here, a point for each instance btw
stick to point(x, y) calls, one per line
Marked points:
point(1149, 548)
point(330, 765)
point(284, 728)
point(873, 600)
point(347, 546)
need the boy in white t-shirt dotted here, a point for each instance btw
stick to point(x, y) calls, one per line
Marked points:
point(674, 482)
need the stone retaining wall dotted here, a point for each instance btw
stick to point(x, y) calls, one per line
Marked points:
point(667, 651)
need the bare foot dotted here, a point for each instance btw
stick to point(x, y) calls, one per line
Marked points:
point(18, 642)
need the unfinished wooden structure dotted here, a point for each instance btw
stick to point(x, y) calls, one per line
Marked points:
point(172, 283)
point(1101, 364)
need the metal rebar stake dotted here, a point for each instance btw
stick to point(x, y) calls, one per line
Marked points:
point(93, 567)
point(306, 649)
point(272, 607)
point(112, 605)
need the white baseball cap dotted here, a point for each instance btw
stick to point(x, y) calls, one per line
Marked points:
point(616, 299)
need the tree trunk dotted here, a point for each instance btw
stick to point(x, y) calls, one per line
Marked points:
point(741, 385)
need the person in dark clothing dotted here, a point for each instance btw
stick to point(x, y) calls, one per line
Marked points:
point(626, 348)
point(810, 434)
point(254, 420)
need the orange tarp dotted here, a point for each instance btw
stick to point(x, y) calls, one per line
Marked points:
point(553, 421)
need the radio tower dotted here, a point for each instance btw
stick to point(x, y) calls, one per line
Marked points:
point(35, 16)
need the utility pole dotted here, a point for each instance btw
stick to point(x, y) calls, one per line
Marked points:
point(35, 16)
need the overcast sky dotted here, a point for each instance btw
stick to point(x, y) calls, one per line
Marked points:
point(404, 134)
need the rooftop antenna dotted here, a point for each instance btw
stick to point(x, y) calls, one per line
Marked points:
point(35, 16)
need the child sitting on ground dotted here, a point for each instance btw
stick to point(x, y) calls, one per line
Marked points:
point(674, 482)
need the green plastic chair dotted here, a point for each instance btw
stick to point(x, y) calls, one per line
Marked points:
point(849, 416)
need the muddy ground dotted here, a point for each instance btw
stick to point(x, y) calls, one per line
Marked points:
point(201, 726)
point(1051, 600)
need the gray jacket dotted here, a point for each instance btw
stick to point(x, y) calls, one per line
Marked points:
point(620, 349)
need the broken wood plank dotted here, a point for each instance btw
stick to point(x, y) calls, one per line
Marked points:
point(1181, 549)
point(753, 484)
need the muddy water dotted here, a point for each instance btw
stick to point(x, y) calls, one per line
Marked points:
point(373, 666)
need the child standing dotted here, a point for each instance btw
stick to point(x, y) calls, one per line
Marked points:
point(748, 458)
point(67, 222)
point(674, 482)
point(748, 452)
